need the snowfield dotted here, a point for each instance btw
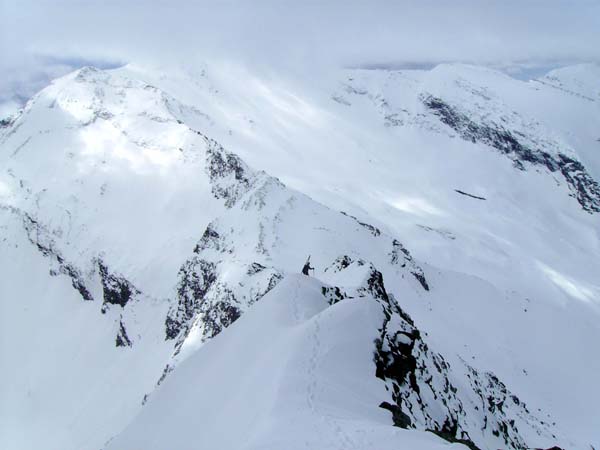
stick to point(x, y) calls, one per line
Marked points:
point(154, 222)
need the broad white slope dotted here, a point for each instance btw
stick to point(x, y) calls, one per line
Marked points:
point(109, 179)
point(293, 373)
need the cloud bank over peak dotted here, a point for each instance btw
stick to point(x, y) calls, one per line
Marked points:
point(42, 38)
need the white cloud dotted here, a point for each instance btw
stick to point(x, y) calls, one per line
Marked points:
point(294, 34)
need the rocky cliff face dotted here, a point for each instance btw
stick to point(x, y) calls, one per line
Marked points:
point(427, 392)
point(524, 150)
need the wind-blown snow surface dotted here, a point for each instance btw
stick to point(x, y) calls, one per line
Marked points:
point(136, 230)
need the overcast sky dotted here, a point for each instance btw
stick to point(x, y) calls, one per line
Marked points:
point(41, 39)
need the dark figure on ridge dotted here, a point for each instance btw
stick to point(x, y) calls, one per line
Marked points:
point(307, 267)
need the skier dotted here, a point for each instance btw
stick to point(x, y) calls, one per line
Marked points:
point(307, 267)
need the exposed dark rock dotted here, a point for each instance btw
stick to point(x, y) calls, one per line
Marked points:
point(333, 294)
point(400, 419)
point(340, 263)
point(393, 356)
point(494, 397)
point(172, 326)
point(274, 280)
point(229, 176)
point(255, 268)
point(375, 285)
point(5, 123)
point(587, 191)
point(122, 338)
point(204, 298)
point(117, 290)
point(374, 230)
point(469, 195)
point(421, 279)
point(409, 368)
point(583, 187)
point(39, 236)
point(210, 239)
point(166, 371)
point(415, 376)
point(76, 281)
point(398, 258)
point(444, 233)
point(220, 314)
point(196, 277)
point(400, 255)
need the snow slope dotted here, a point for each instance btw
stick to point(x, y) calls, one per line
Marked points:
point(163, 263)
point(307, 383)
point(318, 352)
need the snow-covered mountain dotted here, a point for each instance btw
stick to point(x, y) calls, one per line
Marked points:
point(155, 221)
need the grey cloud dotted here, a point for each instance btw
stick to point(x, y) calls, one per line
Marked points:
point(297, 35)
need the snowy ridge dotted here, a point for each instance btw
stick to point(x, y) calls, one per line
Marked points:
point(584, 188)
point(244, 253)
point(580, 80)
point(419, 382)
point(216, 287)
point(419, 378)
point(475, 113)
